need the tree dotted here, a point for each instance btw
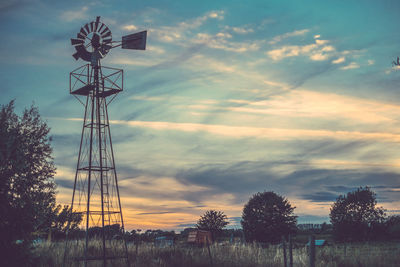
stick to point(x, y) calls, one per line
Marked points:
point(213, 221)
point(267, 217)
point(355, 216)
point(392, 226)
point(64, 219)
point(27, 188)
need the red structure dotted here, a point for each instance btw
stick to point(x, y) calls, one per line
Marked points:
point(200, 237)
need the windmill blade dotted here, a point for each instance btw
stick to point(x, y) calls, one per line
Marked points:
point(83, 53)
point(80, 36)
point(106, 34)
point(101, 27)
point(97, 23)
point(105, 48)
point(136, 41)
point(83, 32)
point(87, 28)
point(106, 29)
point(76, 41)
point(107, 41)
point(91, 26)
point(76, 56)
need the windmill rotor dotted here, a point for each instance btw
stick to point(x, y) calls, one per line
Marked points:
point(94, 41)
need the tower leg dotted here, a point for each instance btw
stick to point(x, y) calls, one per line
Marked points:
point(119, 200)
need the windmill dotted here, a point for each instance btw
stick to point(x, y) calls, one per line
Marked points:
point(96, 195)
point(396, 63)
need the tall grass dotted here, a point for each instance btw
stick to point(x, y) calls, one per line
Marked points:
point(232, 255)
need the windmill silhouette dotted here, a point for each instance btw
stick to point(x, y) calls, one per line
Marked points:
point(96, 194)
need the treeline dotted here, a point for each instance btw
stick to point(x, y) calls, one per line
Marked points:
point(355, 216)
point(115, 232)
point(268, 217)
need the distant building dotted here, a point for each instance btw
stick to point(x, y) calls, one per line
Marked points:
point(319, 243)
point(309, 226)
point(199, 237)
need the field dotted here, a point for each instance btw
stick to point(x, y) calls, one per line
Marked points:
point(236, 255)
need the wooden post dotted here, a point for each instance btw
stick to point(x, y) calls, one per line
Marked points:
point(284, 252)
point(209, 251)
point(312, 250)
point(137, 248)
point(290, 251)
point(49, 236)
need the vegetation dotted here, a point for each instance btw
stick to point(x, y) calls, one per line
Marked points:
point(392, 226)
point(27, 189)
point(237, 255)
point(355, 216)
point(62, 220)
point(213, 221)
point(28, 207)
point(267, 217)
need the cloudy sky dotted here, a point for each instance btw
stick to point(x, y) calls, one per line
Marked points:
point(229, 99)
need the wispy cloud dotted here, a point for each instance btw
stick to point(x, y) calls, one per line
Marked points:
point(317, 51)
point(312, 104)
point(352, 65)
point(130, 27)
point(339, 60)
point(76, 14)
point(180, 31)
point(240, 30)
point(200, 61)
point(184, 33)
point(265, 82)
point(220, 41)
point(279, 38)
point(133, 62)
point(259, 132)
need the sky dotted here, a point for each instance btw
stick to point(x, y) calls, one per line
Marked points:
point(230, 98)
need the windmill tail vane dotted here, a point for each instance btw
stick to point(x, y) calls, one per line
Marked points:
point(96, 195)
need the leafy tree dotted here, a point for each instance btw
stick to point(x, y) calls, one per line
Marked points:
point(355, 216)
point(111, 231)
point(213, 221)
point(61, 217)
point(27, 189)
point(392, 226)
point(267, 217)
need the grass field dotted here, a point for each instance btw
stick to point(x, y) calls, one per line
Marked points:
point(233, 255)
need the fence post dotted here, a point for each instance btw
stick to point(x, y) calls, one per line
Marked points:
point(290, 251)
point(312, 250)
point(137, 249)
point(209, 251)
point(284, 251)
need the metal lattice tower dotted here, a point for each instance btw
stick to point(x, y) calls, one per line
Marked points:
point(96, 195)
